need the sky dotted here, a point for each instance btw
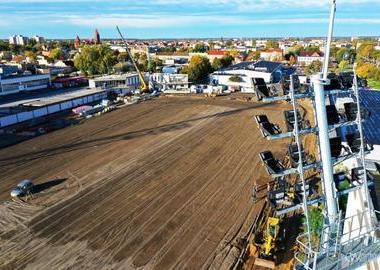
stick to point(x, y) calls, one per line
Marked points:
point(187, 18)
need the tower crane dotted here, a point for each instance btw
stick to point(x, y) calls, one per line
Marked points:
point(144, 86)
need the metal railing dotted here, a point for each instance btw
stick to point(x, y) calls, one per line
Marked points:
point(351, 241)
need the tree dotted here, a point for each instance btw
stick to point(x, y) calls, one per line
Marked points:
point(123, 57)
point(314, 67)
point(253, 55)
point(200, 48)
point(272, 44)
point(142, 62)
point(365, 51)
point(154, 64)
point(56, 54)
point(31, 55)
point(316, 221)
point(225, 61)
point(343, 65)
point(229, 43)
point(292, 60)
point(4, 46)
point(95, 59)
point(122, 67)
point(217, 64)
point(312, 49)
point(366, 70)
point(199, 68)
point(297, 49)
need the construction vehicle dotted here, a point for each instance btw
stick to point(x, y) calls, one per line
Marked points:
point(144, 86)
point(266, 242)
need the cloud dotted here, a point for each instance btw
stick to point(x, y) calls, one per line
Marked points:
point(169, 20)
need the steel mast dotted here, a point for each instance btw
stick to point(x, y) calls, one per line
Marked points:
point(323, 127)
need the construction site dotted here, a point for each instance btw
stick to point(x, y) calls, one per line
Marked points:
point(165, 184)
point(277, 179)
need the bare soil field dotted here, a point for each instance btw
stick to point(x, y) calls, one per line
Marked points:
point(165, 184)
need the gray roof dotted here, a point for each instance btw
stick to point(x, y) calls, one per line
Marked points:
point(265, 66)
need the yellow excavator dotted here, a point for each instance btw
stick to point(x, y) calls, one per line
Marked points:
point(144, 87)
point(270, 237)
point(267, 243)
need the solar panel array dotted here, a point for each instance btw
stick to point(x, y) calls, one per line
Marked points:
point(371, 101)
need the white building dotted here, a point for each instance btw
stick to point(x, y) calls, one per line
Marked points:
point(38, 39)
point(169, 82)
point(261, 43)
point(377, 47)
point(306, 58)
point(128, 80)
point(271, 72)
point(272, 55)
point(16, 84)
point(18, 40)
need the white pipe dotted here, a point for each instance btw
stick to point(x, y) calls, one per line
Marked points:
point(329, 39)
point(324, 144)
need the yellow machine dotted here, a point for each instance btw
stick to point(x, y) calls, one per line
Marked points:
point(266, 242)
point(270, 236)
point(144, 86)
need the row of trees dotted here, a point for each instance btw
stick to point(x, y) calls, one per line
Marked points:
point(100, 59)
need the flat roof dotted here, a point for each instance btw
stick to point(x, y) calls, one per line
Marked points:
point(115, 77)
point(52, 99)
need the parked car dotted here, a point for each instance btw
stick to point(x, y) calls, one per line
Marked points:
point(22, 188)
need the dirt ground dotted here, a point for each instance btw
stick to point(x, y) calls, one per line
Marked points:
point(165, 184)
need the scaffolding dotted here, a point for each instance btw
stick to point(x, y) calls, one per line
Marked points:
point(343, 242)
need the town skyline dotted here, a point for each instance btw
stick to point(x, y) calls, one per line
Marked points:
point(186, 19)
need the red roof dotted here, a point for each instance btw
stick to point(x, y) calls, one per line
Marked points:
point(217, 52)
point(273, 50)
point(311, 54)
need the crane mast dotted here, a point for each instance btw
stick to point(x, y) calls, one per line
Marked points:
point(144, 86)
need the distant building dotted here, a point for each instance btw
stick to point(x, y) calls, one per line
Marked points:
point(261, 43)
point(306, 58)
point(130, 81)
point(77, 42)
point(38, 39)
point(97, 37)
point(18, 40)
point(15, 84)
point(377, 47)
point(214, 54)
point(272, 55)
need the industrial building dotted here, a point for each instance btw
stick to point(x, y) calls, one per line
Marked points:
point(15, 84)
point(128, 80)
point(28, 109)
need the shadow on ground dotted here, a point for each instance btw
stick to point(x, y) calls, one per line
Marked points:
point(47, 185)
point(17, 159)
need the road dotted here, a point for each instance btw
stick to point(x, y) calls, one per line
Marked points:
point(165, 184)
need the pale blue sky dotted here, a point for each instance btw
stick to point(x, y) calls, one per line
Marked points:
point(186, 18)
